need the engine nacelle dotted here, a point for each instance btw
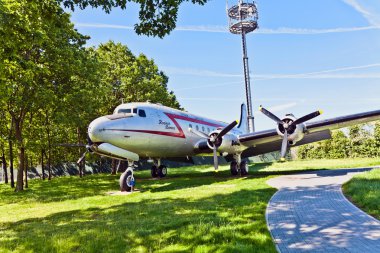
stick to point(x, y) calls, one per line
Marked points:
point(295, 133)
point(228, 144)
point(112, 151)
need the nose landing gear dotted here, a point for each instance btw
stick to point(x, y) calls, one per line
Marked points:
point(127, 180)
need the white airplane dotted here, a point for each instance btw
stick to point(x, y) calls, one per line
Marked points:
point(154, 131)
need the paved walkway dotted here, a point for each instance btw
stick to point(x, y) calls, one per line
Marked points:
point(310, 214)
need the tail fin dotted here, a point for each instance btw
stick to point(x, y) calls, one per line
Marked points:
point(243, 123)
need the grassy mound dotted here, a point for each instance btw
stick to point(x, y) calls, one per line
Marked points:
point(364, 191)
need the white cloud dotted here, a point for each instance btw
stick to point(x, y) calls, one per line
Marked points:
point(369, 9)
point(224, 29)
point(324, 74)
point(197, 72)
point(283, 107)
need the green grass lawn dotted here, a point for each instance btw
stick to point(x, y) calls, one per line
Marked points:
point(192, 210)
point(185, 212)
point(364, 191)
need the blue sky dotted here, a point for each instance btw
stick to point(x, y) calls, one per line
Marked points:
point(307, 55)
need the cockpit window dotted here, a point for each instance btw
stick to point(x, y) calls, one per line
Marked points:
point(142, 113)
point(124, 111)
point(135, 110)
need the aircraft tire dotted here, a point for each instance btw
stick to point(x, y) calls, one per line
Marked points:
point(162, 171)
point(124, 178)
point(234, 168)
point(154, 171)
point(244, 168)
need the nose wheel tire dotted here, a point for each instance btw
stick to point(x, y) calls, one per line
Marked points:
point(162, 171)
point(234, 168)
point(154, 171)
point(127, 181)
point(244, 168)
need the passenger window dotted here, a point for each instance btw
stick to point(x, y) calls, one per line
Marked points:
point(208, 130)
point(197, 127)
point(124, 111)
point(203, 128)
point(142, 113)
point(135, 110)
point(191, 126)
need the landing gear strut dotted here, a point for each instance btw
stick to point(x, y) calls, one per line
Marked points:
point(158, 169)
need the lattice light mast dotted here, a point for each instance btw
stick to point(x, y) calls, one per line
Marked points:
point(243, 20)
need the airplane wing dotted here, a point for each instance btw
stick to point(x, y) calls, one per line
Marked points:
point(267, 141)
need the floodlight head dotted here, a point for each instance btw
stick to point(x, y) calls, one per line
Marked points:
point(243, 17)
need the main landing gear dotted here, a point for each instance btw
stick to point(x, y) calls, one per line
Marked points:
point(127, 180)
point(158, 169)
point(238, 166)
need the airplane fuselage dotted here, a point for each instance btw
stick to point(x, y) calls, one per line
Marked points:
point(153, 130)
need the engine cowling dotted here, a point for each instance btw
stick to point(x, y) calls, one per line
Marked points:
point(229, 143)
point(295, 132)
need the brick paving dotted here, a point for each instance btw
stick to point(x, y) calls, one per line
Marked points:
point(310, 214)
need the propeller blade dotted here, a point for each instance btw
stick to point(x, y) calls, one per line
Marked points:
point(284, 146)
point(227, 129)
point(307, 117)
point(270, 115)
point(82, 157)
point(200, 134)
point(215, 159)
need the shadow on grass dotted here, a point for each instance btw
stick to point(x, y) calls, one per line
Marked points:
point(65, 188)
point(59, 189)
point(225, 223)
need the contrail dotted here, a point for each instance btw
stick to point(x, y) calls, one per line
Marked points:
point(224, 29)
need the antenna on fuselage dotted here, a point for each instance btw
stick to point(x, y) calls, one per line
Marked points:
point(243, 20)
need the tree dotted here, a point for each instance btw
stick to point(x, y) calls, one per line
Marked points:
point(131, 78)
point(42, 58)
point(157, 17)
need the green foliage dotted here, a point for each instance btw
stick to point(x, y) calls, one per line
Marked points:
point(157, 17)
point(52, 87)
point(361, 141)
point(131, 78)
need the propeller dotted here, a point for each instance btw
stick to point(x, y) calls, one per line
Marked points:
point(80, 145)
point(215, 139)
point(288, 125)
point(88, 149)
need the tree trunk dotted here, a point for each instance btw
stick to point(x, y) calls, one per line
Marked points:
point(4, 165)
point(49, 145)
point(26, 171)
point(42, 164)
point(20, 172)
point(49, 164)
point(113, 167)
point(80, 165)
point(11, 164)
point(21, 155)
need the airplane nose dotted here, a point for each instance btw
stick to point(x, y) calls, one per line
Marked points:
point(96, 128)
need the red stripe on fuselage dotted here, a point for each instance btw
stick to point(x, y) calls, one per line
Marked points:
point(173, 118)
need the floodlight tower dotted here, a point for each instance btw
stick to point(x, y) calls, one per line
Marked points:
point(243, 20)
